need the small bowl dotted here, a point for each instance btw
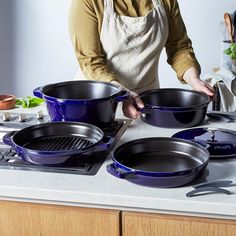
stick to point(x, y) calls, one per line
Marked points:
point(7, 101)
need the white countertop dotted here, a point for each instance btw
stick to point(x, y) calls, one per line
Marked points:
point(106, 191)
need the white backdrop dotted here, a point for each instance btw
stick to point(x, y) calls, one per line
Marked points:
point(35, 48)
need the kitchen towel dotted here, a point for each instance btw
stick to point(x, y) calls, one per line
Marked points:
point(225, 81)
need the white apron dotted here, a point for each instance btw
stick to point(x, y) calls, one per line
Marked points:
point(133, 45)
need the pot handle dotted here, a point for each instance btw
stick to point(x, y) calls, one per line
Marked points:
point(105, 144)
point(7, 138)
point(145, 110)
point(123, 95)
point(113, 170)
point(38, 92)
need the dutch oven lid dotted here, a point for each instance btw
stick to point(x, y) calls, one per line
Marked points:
point(221, 143)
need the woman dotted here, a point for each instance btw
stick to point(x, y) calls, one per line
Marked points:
point(120, 41)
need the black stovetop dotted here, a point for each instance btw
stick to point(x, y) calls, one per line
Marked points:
point(86, 166)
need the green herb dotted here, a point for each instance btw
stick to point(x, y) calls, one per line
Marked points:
point(231, 51)
point(28, 102)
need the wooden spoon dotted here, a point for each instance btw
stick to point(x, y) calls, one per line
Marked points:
point(229, 26)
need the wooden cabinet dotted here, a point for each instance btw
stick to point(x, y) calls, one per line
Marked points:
point(29, 219)
point(26, 219)
point(143, 224)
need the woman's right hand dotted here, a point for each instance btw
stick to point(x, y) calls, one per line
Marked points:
point(130, 106)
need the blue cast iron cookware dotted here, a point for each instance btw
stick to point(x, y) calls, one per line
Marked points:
point(221, 143)
point(55, 142)
point(86, 101)
point(174, 108)
point(159, 162)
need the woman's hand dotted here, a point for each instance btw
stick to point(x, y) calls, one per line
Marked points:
point(202, 86)
point(131, 105)
point(191, 76)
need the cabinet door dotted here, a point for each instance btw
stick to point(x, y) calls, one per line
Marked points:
point(143, 224)
point(28, 219)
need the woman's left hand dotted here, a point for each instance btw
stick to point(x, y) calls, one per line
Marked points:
point(191, 76)
point(199, 85)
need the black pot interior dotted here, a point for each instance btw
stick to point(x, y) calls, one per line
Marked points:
point(58, 136)
point(160, 155)
point(81, 90)
point(174, 98)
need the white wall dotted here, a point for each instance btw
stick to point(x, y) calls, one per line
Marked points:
point(202, 19)
point(42, 49)
point(35, 48)
point(6, 46)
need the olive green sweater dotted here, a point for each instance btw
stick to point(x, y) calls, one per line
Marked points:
point(85, 21)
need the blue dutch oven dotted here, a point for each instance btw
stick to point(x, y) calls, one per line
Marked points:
point(174, 108)
point(86, 101)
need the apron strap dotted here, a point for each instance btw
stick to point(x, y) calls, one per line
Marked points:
point(108, 5)
point(156, 3)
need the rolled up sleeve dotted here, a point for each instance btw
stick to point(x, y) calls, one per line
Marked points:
point(180, 54)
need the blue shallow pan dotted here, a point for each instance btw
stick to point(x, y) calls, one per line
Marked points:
point(55, 142)
point(159, 162)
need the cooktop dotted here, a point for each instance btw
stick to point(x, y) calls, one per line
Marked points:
point(89, 166)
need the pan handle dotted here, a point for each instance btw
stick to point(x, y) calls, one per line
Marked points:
point(123, 95)
point(7, 138)
point(105, 144)
point(113, 170)
point(145, 110)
